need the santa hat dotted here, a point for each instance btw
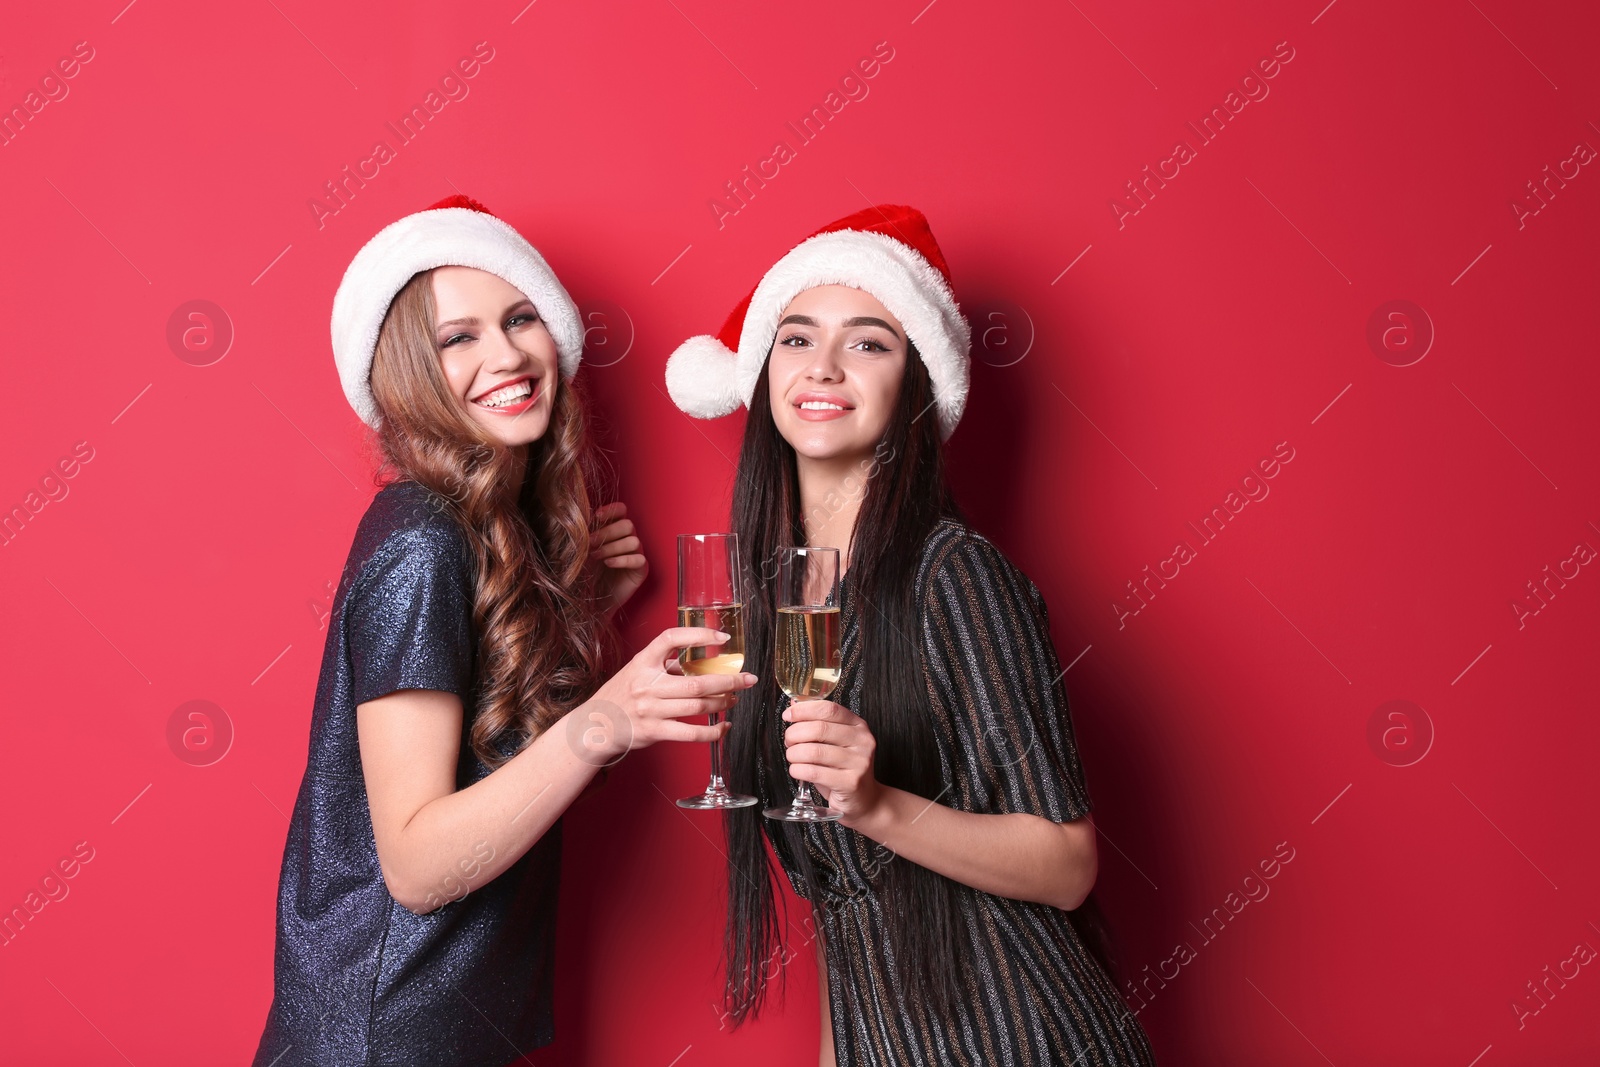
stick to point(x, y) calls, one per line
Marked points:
point(887, 251)
point(457, 231)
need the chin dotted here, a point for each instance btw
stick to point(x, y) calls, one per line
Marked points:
point(528, 429)
point(824, 447)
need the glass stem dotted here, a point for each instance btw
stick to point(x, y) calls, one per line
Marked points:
point(717, 785)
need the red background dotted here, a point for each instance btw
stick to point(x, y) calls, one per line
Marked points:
point(1112, 404)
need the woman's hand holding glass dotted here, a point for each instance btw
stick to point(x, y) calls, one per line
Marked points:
point(644, 701)
point(831, 747)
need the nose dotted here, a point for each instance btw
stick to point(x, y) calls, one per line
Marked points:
point(825, 364)
point(500, 354)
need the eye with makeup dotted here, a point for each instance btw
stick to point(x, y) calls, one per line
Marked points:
point(521, 317)
point(870, 344)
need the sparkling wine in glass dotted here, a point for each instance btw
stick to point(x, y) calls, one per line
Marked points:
point(709, 595)
point(807, 644)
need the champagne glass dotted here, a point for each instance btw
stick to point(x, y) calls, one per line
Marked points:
point(807, 649)
point(709, 595)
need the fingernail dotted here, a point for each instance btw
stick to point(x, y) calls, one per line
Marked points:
point(723, 636)
point(749, 679)
point(788, 716)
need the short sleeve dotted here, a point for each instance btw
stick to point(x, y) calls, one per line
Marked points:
point(408, 617)
point(990, 664)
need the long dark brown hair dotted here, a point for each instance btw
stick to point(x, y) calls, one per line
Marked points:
point(540, 639)
point(905, 498)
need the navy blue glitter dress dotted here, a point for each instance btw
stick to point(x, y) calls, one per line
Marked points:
point(357, 978)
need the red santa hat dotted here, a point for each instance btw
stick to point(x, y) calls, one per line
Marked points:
point(887, 251)
point(457, 231)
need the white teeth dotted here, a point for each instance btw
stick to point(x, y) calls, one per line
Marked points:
point(820, 405)
point(509, 395)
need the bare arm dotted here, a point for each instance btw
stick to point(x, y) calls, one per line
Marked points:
point(1017, 855)
point(435, 842)
point(1025, 857)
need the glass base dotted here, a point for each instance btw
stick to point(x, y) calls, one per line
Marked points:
point(803, 813)
point(717, 800)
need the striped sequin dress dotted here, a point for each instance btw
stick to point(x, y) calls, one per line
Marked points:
point(1033, 995)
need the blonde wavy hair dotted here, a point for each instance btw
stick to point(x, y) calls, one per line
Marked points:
point(541, 648)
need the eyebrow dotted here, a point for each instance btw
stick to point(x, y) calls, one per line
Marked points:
point(473, 320)
point(859, 320)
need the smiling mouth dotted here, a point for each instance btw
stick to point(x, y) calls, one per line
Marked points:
point(515, 394)
point(821, 405)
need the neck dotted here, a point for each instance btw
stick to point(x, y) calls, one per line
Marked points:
point(831, 492)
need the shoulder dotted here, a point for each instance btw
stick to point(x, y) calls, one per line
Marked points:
point(408, 522)
point(957, 555)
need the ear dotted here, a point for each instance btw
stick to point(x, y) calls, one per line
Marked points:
point(701, 378)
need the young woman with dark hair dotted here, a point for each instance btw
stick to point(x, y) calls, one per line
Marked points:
point(463, 702)
point(943, 898)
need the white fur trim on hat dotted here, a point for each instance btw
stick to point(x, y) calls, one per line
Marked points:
point(701, 378)
point(451, 236)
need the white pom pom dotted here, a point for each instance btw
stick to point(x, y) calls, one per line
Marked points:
point(701, 378)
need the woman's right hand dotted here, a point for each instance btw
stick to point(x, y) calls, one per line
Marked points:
point(644, 701)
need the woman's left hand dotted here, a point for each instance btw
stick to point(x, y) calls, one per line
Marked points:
point(616, 550)
point(832, 748)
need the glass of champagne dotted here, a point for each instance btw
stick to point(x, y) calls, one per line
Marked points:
point(709, 595)
point(807, 649)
